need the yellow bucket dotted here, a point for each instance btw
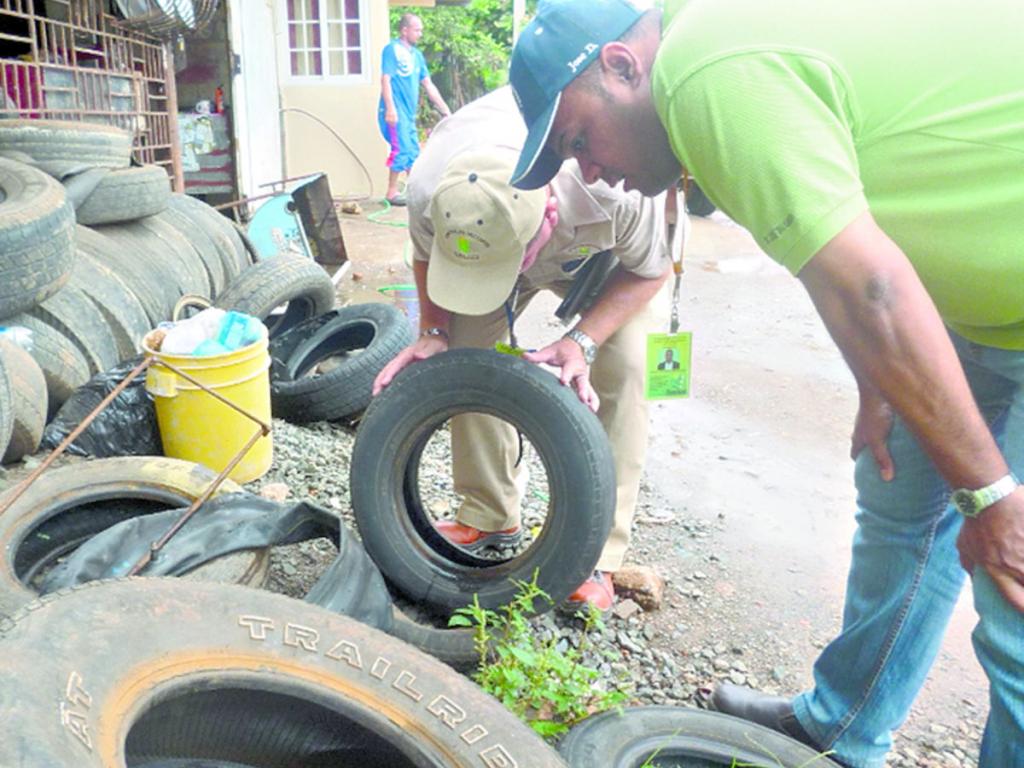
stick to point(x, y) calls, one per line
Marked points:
point(196, 426)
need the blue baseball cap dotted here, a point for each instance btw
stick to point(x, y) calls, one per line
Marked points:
point(553, 49)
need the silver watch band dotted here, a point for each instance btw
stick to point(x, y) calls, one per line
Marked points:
point(435, 331)
point(587, 344)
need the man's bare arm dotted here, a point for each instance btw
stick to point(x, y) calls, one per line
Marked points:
point(890, 332)
point(390, 113)
point(435, 96)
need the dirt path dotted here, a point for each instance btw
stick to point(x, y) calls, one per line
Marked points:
point(754, 470)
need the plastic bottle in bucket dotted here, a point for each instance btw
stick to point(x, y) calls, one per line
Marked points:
point(196, 426)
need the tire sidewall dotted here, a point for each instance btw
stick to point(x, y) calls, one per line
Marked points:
point(565, 434)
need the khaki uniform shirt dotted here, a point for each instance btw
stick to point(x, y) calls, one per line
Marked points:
point(591, 218)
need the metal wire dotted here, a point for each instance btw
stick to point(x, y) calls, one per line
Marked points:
point(166, 18)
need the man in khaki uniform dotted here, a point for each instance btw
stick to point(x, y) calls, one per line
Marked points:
point(477, 242)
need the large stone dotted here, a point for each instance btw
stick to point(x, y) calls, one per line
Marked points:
point(642, 584)
point(275, 491)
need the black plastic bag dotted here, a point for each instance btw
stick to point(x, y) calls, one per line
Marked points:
point(126, 427)
point(232, 522)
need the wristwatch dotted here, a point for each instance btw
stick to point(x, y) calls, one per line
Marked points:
point(435, 331)
point(972, 503)
point(587, 344)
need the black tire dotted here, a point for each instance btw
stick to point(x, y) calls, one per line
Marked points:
point(148, 670)
point(154, 288)
point(72, 313)
point(164, 252)
point(37, 237)
point(28, 401)
point(63, 146)
point(230, 246)
point(682, 737)
point(455, 647)
point(126, 194)
point(697, 203)
point(397, 532)
point(69, 504)
point(7, 401)
point(63, 364)
point(259, 290)
point(203, 241)
point(376, 332)
point(124, 314)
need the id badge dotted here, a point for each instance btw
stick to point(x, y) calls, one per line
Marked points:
point(668, 366)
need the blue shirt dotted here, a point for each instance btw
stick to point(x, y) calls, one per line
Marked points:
point(407, 68)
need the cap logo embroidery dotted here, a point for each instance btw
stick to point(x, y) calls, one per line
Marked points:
point(588, 49)
point(462, 244)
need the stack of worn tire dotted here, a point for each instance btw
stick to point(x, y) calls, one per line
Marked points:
point(95, 251)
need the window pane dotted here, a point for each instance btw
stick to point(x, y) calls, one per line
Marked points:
point(337, 63)
point(291, 10)
point(313, 11)
point(297, 36)
point(355, 63)
point(334, 36)
point(351, 9)
point(313, 35)
point(315, 66)
point(333, 10)
point(298, 64)
point(352, 35)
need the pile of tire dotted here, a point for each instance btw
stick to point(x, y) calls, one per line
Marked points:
point(95, 252)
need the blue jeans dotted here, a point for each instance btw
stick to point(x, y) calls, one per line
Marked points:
point(903, 583)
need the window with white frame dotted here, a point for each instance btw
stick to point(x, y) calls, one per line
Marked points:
point(325, 38)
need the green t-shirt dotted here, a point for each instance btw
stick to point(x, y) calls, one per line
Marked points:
point(797, 116)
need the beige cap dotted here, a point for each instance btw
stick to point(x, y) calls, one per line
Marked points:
point(482, 226)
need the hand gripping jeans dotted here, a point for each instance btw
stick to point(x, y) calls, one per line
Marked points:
point(904, 580)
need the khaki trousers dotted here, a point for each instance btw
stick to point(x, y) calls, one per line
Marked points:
point(485, 449)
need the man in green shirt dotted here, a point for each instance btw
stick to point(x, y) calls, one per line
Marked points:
point(876, 151)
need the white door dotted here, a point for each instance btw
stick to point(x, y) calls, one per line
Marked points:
point(256, 93)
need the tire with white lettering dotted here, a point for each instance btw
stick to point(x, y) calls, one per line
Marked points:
point(397, 530)
point(682, 736)
point(70, 504)
point(144, 671)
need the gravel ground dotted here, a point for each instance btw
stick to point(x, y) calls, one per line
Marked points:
point(672, 656)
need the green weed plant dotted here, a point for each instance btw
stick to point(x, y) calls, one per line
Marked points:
point(548, 688)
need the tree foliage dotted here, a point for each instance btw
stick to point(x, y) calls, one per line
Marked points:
point(467, 47)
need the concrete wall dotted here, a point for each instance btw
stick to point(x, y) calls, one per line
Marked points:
point(312, 111)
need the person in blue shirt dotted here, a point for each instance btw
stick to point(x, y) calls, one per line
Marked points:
point(403, 70)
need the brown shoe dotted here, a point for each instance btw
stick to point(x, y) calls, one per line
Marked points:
point(473, 539)
point(597, 591)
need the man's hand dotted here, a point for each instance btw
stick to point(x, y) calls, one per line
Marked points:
point(391, 116)
point(421, 349)
point(871, 430)
point(567, 355)
point(995, 541)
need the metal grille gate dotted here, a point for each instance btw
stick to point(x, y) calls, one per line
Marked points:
point(73, 60)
